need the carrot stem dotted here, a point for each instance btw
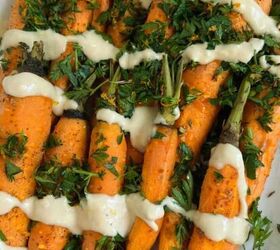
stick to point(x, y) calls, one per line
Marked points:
point(231, 130)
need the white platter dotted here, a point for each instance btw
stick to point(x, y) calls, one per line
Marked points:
point(269, 205)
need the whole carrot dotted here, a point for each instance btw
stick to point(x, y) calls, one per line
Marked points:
point(222, 196)
point(31, 117)
point(159, 162)
point(72, 134)
point(108, 155)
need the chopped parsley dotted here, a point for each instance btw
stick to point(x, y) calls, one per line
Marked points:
point(132, 178)
point(100, 155)
point(110, 243)
point(111, 166)
point(120, 138)
point(218, 176)
point(52, 142)
point(52, 178)
point(11, 170)
point(74, 243)
point(158, 135)
point(261, 227)
point(14, 146)
point(251, 154)
point(2, 236)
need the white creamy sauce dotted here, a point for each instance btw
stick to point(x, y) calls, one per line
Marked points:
point(130, 60)
point(54, 43)
point(253, 14)
point(273, 69)
point(108, 215)
point(28, 84)
point(92, 44)
point(112, 215)
point(227, 154)
point(242, 52)
point(4, 246)
point(218, 227)
point(144, 209)
point(145, 3)
point(140, 125)
point(215, 227)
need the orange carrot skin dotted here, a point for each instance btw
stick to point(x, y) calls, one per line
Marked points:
point(158, 166)
point(198, 117)
point(168, 241)
point(103, 5)
point(133, 155)
point(224, 200)
point(109, 184)
point(72, 133)
point(48, 237)
point(32, 116)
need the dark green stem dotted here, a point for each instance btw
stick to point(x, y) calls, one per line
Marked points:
point(231, 130)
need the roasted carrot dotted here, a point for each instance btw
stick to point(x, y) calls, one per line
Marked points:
point(102, 6)
point(72, 133)
point(159, 162)
point(222, 197)
point(76, 22)
point(32, 117)
point(104, 138)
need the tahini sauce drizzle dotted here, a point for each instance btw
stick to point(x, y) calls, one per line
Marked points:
point(28, 84)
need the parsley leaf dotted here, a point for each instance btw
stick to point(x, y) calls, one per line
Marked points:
point(14, 146)
point(74, 243)
point(100, 155)
point(111, 166)
point(110, 243)
point(54, 179)
point(218, 176)
point(11, 170)
point(251, 154)
point(52, 142)
point(132, 178)
point(158, 135)
point(2, 236)
point(261, 227)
